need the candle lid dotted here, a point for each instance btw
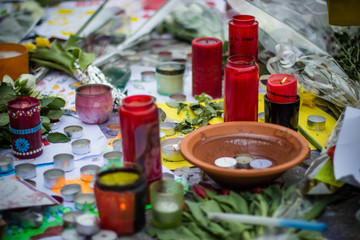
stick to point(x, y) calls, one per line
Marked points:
point(170, 68)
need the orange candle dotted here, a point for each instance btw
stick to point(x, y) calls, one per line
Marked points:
point(281, 88)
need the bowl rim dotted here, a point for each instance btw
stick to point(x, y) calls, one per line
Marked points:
point(245, 173)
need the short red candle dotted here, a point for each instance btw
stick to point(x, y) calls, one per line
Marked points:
point(207, 66)
point(281, 88)
point(25, 127)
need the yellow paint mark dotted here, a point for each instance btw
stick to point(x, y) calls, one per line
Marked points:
point(71, 93)
point(90, 12)
point(73, 108)
point(65, 11)
point(111, 140)
point(67, 33)
point(85, 188)
point(134, 19)
point(59, 21)
point(77, 84)
point(56, 86)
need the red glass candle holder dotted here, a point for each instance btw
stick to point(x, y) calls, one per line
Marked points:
point(139, 124)
point(25, 127)
point(207, 66)
point(121, 198)
point(241, 89)
point(243, 36)
point(94, 103)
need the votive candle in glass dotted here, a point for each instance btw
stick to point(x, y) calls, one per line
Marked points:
point(94, 103)
point(25, 127)
point(169, 78)
point(241, 89)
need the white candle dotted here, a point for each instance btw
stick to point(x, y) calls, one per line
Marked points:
point(260, 164)
point(168, 128)
point(243, 160)
point(226, 162)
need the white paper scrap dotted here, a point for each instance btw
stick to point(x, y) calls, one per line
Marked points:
point(347, 152)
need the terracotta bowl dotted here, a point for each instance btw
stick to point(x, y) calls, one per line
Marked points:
point(283, 146)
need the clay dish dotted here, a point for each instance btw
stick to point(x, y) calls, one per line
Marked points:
point(283, 146)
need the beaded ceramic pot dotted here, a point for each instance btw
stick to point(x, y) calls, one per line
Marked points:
point(25, 127)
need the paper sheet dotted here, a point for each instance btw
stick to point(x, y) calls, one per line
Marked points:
point(17, 194)
point(347, 152)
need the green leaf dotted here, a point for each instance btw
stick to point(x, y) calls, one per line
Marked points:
point(198, 111)
point(55, 114)
point(181, 107)
point(46, 120)
point(209, 206)
point(57, 137)
point(173, 104)
point(194, 228)
point(46, 101)
point(226, 199)
point(196, 212)
point(57, 103)
point(4, 119)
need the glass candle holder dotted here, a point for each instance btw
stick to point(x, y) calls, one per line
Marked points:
point(14, 60)
point(167, 198)
point(94, 103)
point(25, 127)
point(139, 124)
point(169, 78)
point(241, 89)
point(121, 198)
point(243, 36)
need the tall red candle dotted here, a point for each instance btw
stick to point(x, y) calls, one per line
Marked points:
point(241, 89)
point(281, 88)
point(207, 66)
point(243, 36)
point(139, 124)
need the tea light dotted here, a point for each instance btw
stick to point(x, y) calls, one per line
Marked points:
point(30, 220)
point(25, 170)
point(105, 235)
point(170, 149)
point(177, 97)
point(162, 135)
point(64, 161)
point(72, 234)
point(226, 162)
point(69, 218)
point(260, 164)
point(113, 158)
point(243, 160)
point(6, 164)
point(148, 76)
point(87, 224)
point(168, 128)
point(113, 129)
point(316, 122)
point(117, 145)
point(74, 131)
point(81, 146)
point(88, 172)
point(54, 178)
point(169, 78)
point(85, 201)
point(69, 191)
point(164, 56)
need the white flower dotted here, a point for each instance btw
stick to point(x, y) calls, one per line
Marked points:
point(8, 80)
point(31, 83)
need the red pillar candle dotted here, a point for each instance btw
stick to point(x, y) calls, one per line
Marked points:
point(207, 66)
point(243, 36)
point(281, 88)
point(25, 127)
point(241, 89)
